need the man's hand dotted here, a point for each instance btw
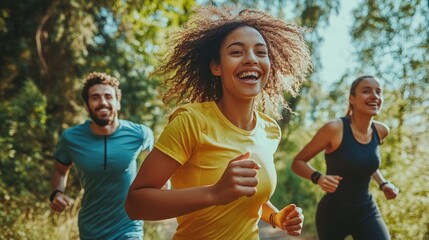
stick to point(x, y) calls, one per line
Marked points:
point(60, 202)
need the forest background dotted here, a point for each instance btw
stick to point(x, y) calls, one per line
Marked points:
point(48, 46)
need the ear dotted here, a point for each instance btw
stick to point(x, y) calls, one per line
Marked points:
point(351, 99)
point(118, 106)
point(215, 68)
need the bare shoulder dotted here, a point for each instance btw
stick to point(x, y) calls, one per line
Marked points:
point(382, 129)
point(332, 131)
point(333, 126)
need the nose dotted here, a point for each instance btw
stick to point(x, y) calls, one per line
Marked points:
point(375, 95)
point(103, 100)
point(251, 59)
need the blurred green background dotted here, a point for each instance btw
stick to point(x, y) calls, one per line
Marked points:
point(47, 47)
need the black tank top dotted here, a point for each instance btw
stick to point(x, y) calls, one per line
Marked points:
point(355, 162)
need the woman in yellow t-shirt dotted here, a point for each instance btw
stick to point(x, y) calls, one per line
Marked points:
point(218, 149)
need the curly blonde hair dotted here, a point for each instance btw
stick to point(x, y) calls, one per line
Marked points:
point(187, 63)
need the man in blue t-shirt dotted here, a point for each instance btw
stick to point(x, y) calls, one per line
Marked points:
point(104, 152)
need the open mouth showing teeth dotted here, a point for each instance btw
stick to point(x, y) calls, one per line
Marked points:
point(249, 75)
point(103, 110)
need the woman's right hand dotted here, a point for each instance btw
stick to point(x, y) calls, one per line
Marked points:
point(390, 191)
point(329, 183)
point(239, 179)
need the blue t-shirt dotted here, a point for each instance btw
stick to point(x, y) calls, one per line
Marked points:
point(106, 167)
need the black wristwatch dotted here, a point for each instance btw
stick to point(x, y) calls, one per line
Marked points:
point(381, 185)
point(315, 177)
point(53, 194)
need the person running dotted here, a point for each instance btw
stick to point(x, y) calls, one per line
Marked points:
point(104, 152)
point(218, 148)
point(352, 155)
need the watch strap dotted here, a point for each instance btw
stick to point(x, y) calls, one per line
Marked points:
point(53, 194)
point(315, 177)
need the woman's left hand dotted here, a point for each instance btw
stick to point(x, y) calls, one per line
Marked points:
point(290, 219)
point(390, 191)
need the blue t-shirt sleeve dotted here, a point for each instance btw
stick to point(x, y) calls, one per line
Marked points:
point(61, 153)
point(148, 139)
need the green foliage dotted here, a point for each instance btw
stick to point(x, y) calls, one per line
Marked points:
point(21, 159)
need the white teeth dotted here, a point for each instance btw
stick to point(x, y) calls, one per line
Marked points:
point(249, 74)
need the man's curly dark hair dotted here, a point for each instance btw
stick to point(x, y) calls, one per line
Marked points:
point(95, 78)
point(186, 66)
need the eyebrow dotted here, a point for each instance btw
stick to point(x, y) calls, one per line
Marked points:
point(367, 87)
point(242, 44)
point(100, 94)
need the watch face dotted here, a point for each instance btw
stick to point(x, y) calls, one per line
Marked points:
point(315, 177)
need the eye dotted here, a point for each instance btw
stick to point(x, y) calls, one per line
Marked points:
point(94, 97)
point(262, 53)
point(235, 52)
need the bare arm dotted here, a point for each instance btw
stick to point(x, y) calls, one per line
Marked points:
point(289, 219)
point(378, 177)
point(267, 209)
point(327, 138)
point(59, 182)
point(382, 130)
point(59, 177)
point(321, 141)
point(146, 200)
point(390, 191)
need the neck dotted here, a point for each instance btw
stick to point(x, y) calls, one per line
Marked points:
point(239, 113)
point(104, 130)
point(361, 123)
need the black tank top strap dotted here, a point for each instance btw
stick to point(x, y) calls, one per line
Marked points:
point(346, 125)
point(345, 120)
point(347, 130)
point(375, 134)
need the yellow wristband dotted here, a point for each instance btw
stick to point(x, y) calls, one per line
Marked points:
point(273, 219)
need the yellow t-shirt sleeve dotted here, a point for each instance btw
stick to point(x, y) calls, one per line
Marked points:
point(180, 137)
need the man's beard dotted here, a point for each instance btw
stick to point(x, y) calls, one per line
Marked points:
point(98, 121)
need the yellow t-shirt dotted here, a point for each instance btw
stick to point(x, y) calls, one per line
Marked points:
point(203, 141)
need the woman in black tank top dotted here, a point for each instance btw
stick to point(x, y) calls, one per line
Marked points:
point(352, 155)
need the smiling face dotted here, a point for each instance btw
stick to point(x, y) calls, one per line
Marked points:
point(367, 97)
point(102, 104)
point(244, 65)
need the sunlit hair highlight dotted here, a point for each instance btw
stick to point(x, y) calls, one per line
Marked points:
point(186, 66)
